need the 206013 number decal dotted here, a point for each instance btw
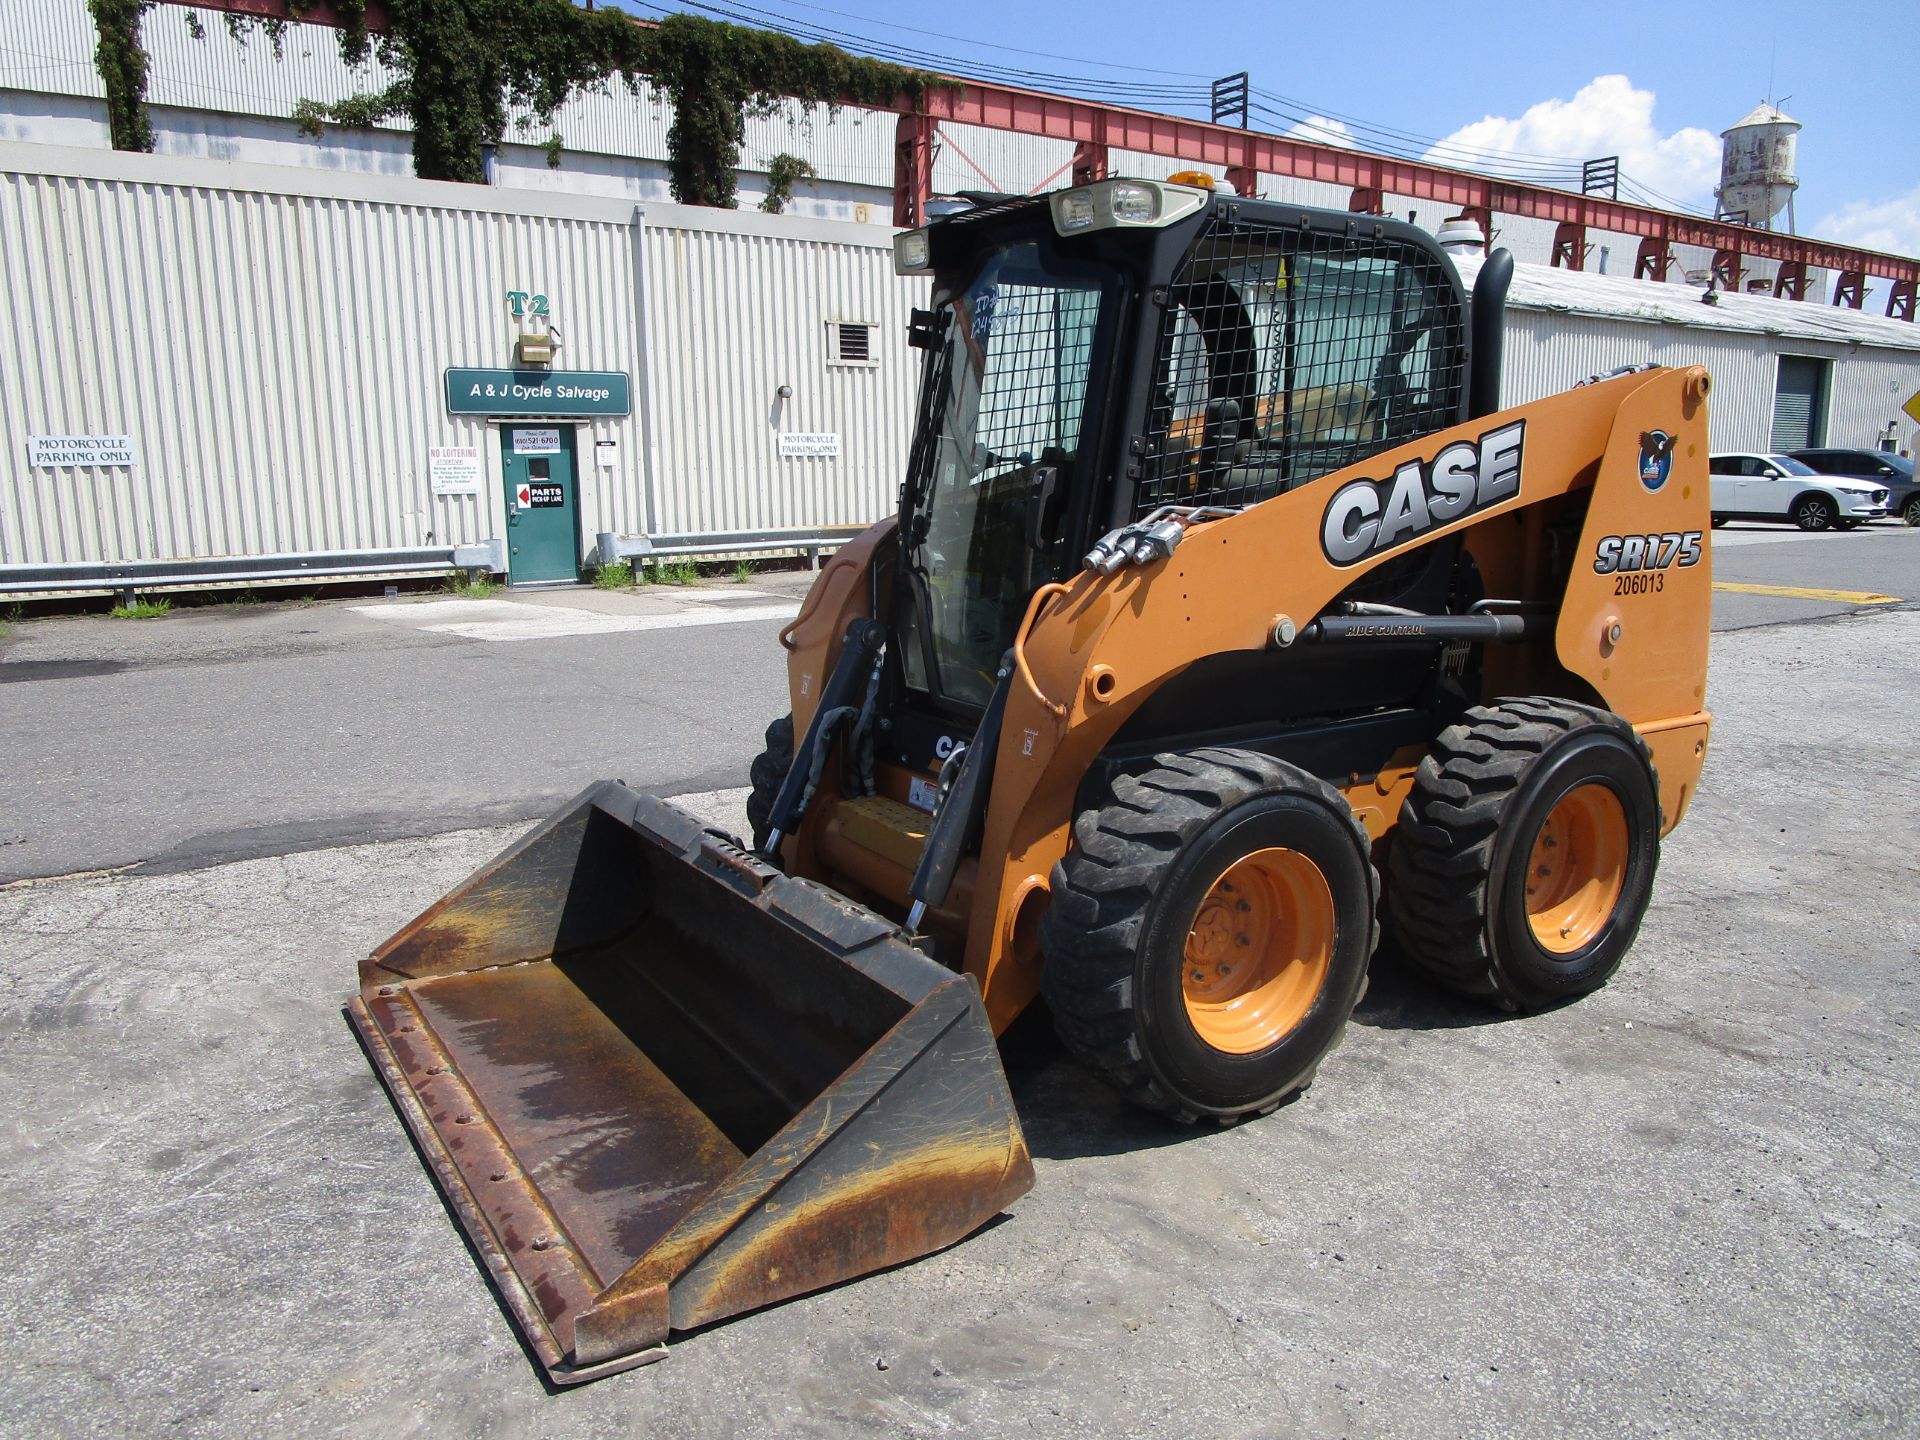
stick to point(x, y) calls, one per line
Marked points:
point(1638, 563)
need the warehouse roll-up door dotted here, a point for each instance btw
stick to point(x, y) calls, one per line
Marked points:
point(1800, 403)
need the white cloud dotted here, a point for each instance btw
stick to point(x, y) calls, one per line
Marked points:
point(1892, 225)
point(1607, 116)
point(1320, 130)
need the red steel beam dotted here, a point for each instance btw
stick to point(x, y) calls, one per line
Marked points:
point(319, 13)
point(1197, 142)
point(1059, 117)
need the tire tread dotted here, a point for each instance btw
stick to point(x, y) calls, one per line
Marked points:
point(1104, 888)
point(767, 773)
point(1441, 862)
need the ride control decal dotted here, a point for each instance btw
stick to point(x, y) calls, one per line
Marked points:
point(1638, 562)
point(1656, 458)
point(1370, 517)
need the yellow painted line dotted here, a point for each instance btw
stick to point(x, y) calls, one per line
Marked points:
point(1803, 592)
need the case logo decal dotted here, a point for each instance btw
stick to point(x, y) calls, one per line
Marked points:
point(1370, 517)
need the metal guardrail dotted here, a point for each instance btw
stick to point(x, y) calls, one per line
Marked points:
point(128, 577)
point(729, 542)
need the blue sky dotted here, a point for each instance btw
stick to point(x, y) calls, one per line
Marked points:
point(1517, 78)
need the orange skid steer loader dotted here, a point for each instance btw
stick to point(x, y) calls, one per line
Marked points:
point(1221, 586)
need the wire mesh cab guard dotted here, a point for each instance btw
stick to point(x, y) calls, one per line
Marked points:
point(1290, 349)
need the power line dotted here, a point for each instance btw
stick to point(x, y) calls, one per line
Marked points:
point(1406, 136)
point(1435, 151)
point(1555, 171)
point(752, 16)
point(1296, 115)
point(1009, 49)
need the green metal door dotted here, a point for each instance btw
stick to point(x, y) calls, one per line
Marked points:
point(543, 535)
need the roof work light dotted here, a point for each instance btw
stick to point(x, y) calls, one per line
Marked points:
point(1123, 204)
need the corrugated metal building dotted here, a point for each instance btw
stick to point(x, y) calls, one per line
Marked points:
point(1563, 327)
point(269, 351)
point(274, 343)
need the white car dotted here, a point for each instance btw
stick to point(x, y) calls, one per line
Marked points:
point(1744, 485)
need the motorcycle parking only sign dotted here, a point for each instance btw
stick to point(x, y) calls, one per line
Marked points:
point(61, 452)
point(796, 446)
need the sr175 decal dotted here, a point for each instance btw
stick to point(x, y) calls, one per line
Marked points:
point(1637, 561)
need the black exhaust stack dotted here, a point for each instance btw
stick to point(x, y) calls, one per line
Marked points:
point(1489, 333)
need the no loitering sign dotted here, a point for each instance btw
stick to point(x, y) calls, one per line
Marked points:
point(63, 452)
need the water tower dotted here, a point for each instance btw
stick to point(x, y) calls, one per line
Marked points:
point(1757, 177)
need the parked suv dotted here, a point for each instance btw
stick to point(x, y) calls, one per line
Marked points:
point(1745, 485)
point(1875, 467)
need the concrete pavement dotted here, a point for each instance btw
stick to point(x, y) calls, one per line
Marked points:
point(219, 733)
point(1876, 560)
point(1687, 1205)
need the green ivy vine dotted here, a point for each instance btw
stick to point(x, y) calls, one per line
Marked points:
point(462, 66)
point(122, 63)
point(782, 172)
point(717, 74)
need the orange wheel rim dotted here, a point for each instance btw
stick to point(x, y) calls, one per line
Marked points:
point(1577, 869)
point(1259, 951)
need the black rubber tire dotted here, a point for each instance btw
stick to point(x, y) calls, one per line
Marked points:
point(1456, 893)
point(1123, 901)
point(770, 768)
point(1910, 512)
point(1814, 512)
point(1848, 524)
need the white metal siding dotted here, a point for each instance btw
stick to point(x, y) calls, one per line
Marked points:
point(50, 51)
point(1548, 352)
point(277, 356)
point(739, 306)
point(973, 157)
point(49, 48)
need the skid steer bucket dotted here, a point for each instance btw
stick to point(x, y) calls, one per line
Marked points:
point(660, 1083)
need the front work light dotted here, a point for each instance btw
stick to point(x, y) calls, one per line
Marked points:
point(1134, 203)
point(1123, 204)
point(912, 254)
point(1074, 212)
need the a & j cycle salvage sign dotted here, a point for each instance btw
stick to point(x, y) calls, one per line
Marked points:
point(539, 392)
